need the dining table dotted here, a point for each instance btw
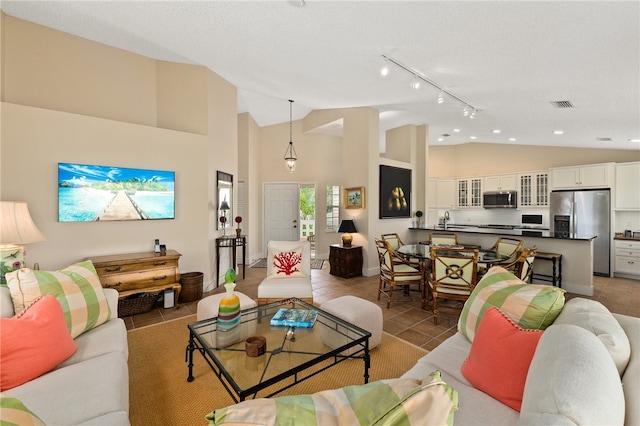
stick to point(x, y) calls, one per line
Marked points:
point(422, 252)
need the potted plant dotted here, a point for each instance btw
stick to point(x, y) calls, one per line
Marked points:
point(238, 220)
point(419, 218)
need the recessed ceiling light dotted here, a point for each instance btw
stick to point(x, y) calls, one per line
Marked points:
point(496, 131)
point(456, 130)
point(558, 132)
point(440, 139)
point(634, 140)
point(473, 137)
point(512, 139)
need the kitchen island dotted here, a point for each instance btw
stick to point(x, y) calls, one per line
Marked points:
point(576, 250)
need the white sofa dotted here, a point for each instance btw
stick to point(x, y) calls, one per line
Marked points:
point(559, 389)
point(583, 369)
point(89, 388)
point(278, 286)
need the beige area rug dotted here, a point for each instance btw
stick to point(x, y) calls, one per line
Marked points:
point(160, 394)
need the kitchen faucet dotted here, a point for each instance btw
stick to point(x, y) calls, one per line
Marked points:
point(446, 218)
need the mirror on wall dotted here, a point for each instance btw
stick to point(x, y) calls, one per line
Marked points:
point(225, 200)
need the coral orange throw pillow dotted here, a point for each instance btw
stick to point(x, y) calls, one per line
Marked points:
point(33, 342)
point(500, 356)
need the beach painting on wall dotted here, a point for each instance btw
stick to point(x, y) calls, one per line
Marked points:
point(89, 193)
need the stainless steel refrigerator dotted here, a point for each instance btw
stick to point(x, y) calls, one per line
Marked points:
point(581, 214)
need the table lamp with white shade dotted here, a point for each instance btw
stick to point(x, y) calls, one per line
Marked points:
point(16, 227)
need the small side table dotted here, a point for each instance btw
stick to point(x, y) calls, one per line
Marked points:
point(345, 262)
point(233, 243)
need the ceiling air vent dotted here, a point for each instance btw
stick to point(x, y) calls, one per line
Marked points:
point(562, 104)
point(604, 139)
point(446, 135)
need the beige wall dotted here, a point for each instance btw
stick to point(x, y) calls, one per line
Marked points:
point(67, 99)
point(477, 159)
point(50, 69)
point(319, 163)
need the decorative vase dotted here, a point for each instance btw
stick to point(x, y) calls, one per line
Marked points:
point(238, 232)
point(229, 308)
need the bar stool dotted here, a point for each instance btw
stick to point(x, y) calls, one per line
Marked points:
point(556, 266)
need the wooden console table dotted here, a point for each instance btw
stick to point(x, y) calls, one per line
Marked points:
point(346, 262)
point(134, 273)
point(233, 243)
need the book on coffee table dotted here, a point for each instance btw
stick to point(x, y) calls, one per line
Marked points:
point(304, 318)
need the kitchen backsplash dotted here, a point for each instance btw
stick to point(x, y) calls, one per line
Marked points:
point(627, 220)
point(489, 216)
point(621, 219)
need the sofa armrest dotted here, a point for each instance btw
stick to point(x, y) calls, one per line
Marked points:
point(6, 303)
point(112, 299)
point(630, 383)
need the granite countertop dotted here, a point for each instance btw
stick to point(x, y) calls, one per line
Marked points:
point(515, 231)
point(622, 237)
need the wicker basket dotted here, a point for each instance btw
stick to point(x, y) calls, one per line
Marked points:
point(191, 283)
point(137, 304)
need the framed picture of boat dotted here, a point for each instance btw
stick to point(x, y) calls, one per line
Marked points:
point(91, 193)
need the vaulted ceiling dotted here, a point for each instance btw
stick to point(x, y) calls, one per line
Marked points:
point(511, 61)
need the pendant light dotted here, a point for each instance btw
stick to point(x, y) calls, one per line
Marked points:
point(290, 155)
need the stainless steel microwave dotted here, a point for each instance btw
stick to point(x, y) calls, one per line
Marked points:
point(500, 200)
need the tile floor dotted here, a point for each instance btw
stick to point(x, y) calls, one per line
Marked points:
point(405, 319)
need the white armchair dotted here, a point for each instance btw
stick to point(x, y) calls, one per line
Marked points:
point(288, 272)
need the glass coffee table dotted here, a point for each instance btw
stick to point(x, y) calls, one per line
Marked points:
point(292, 354)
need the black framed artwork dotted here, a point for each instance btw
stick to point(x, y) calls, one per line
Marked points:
point(395, 192)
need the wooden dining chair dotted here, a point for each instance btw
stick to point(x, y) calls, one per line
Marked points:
point(395, 270)
point(522, 267)
point(504, 246)
point(508, 247)
point(453, 275)
point(448, 238)
point(395, 242)
point(393, 239)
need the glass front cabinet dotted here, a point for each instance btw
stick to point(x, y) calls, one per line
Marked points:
point(533, 189)
point(470, 192)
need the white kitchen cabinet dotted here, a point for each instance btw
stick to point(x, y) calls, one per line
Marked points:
point(533, 189)
point(441, 193)
point(499, 183)
point(627, 258)
point(590, 176)
point(628, 186)
point(469, 192)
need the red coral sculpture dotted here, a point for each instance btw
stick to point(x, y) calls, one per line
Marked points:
point(287, 262)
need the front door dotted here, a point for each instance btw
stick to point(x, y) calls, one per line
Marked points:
point(281, 211)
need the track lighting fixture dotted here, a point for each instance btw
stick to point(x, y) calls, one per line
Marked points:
point(469, 110)
point(384, 71)
point(290, 155)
